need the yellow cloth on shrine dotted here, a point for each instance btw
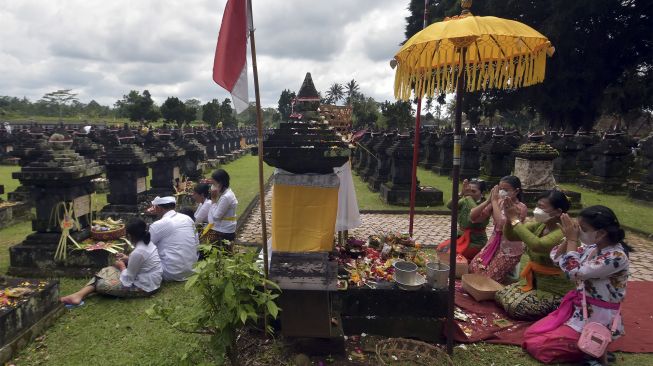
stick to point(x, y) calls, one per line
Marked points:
point(303, 218)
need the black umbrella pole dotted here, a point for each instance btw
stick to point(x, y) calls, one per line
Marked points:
point(455, 178)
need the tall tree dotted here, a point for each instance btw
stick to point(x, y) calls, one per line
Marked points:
point(227, 114)
point(285, 103)
point(335, 93)
point(192, 110)
point(211, 113)
point(60, 98)
point(174, 110)
point(352, 89)
point(397, 115)
point(138, 107)
point(365, 111)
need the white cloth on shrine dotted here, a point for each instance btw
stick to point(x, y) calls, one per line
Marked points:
point(175, 237)
point(348, 215)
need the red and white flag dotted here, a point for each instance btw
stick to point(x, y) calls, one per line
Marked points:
point(230, 63)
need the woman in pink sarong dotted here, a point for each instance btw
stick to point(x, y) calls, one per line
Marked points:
point(499, 256)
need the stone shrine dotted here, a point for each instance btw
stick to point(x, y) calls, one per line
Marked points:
point(397, 190)
point(127, 169)
point(471, 156)
point(431, 151)
point(610, 163)
point(192, 164)
point(643, 190)
point(166, 167)
point(586, 140)
point(383, 163)
point(369, 169)
point(565, 168)
point(444, 164)
point(59, 177)
point(495, 159)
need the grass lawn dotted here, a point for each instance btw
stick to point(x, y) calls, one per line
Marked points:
point(368, 200)
point(6, 179)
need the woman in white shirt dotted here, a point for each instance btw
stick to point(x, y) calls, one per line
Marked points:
point(136, 275)
point(201, 195)
point(222, 212)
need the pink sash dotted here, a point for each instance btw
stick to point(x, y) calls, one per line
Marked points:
point(565, 311)
point(492, 248)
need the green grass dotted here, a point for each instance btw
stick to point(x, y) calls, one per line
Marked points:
point(630, 213)
point(6, 179)
point(368, 200)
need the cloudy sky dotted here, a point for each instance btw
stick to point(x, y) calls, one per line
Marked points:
point(103, 49)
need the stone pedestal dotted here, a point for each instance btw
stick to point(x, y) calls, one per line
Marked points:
point(444, 165)
point(495, 158)
point(383, 163)
point(471, 156)
point(397, 190)
point(609, 170)
point(565, 169)
point(534, 167)
point(59, 176)
point(430, 151)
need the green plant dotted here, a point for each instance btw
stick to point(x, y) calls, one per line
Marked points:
point(232, 293)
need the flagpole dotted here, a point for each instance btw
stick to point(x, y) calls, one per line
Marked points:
point(259, 127)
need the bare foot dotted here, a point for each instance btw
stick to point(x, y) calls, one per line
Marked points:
point(71, 299)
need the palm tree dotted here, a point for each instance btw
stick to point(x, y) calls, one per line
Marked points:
point(352, 89)
point(334, 94)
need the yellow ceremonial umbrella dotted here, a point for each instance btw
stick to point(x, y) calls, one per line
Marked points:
point(468, 53)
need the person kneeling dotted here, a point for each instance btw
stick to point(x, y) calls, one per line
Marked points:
point(136, 275)
point(600, 269)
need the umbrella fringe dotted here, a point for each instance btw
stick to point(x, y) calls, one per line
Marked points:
point(426, 80)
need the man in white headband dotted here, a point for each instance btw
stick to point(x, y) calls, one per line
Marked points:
point(175, 237)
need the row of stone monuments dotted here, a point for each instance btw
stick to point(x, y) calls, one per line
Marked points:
point(59, 166)
point(602, 162)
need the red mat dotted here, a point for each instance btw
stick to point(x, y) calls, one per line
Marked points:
point(485, 321)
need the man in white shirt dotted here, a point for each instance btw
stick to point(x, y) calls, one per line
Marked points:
point(175, 237)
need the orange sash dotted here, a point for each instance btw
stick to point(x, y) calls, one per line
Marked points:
point(531, 267)
point(462, 244)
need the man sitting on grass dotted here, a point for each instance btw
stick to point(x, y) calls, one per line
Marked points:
point(175, 237)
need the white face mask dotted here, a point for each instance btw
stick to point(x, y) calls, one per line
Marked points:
point(587, 237)
point(503, 193)
point(541, 216)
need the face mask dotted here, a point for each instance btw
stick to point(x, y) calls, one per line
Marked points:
point(541, 216)
point(503, 193)
point(587, 237)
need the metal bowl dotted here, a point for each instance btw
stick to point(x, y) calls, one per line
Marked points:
point(405, 272)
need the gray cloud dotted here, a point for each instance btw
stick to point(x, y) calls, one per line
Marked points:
point(104, 49)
